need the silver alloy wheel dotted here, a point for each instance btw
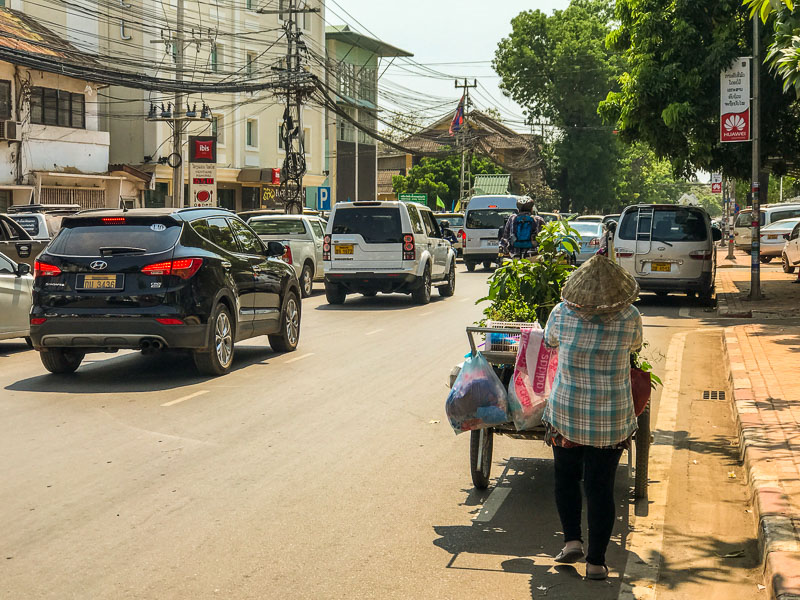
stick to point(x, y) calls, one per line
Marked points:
point(292, 321)
point(308, 281)
point(223, 339)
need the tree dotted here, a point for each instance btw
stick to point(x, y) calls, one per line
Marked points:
point(441, 177)
point(559, 68)
point(783, 55)
point(669, 94)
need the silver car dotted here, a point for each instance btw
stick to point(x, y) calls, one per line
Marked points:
point(16, 285)
point(668, 248)
point(773, 238)
point(590, 234)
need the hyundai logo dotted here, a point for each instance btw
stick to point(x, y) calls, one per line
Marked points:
point(98, 265)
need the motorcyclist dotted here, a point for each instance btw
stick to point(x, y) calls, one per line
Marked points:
point(519, 234)
point(448, 233)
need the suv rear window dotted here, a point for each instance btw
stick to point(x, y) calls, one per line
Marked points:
point(376, 225)
point(277, 227)
point(29, 224)
point(488, 218)
point(787, 213)
point(668, 225)
point(86, 239)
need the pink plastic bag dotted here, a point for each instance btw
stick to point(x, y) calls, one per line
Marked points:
point(532, 380)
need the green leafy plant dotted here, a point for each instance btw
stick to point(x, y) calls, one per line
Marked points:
point(638, 361)
point(527, 290)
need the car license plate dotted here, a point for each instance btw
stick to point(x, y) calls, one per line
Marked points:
point(100, 282)
point(772, 237)
point(344, 249)
point(492, 243)
point(660, 267)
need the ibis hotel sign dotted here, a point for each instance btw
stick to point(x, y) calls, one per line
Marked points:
point(203, 171)
point(735, 102)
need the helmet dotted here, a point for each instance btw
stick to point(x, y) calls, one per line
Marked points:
point(525, 204)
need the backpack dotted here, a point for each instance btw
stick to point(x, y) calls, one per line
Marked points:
point(523, 231)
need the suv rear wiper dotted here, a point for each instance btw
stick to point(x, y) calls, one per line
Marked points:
point(111, 250)
point(663, 242)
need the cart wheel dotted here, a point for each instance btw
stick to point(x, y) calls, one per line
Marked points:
point(642, 454)
point(481, 440)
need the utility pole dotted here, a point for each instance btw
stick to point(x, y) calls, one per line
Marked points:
point(177, 127)
point(755, 244)
point(464, 142)
point(297, 84)
point(731, 217)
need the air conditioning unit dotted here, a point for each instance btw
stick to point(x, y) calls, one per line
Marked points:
point(11, 131)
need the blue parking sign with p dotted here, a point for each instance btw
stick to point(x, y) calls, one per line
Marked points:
point(323, 198)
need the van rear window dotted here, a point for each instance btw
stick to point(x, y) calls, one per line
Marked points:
point(488, 218)
point(666, 225)
point(277, 226)
point(81, 239)
point(375, 225)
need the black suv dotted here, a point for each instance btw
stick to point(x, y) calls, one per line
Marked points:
point(192, 278)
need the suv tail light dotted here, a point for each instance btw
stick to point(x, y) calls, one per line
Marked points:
point(113, 220)
point(409, 249)
point(180, 267)
point(326, 248)
point(287, 252)
point(624, 253)
point(42, 269)
point(700, 254)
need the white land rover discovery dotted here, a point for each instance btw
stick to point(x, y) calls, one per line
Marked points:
point(388, 247)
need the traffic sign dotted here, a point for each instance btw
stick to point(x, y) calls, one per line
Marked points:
point(416, 198)
point(323, 198)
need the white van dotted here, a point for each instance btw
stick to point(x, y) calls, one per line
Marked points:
point(484, 218)
point(668, 248)
point(743, 226)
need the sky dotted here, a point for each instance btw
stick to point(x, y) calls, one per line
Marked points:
point(440, 31)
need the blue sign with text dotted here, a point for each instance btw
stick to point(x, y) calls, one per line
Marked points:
point(323, 198)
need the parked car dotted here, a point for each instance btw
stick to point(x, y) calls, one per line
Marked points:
point(193, 278)
point(484, 218)
point(373, 247)
point(16, 243)
point(16, 284)
point(769, 213)
point(456, 222)
point(590, 234)
point(790, 257)
point(41, 221)
point(302, 236)
point(668, 248)
point(773, 238)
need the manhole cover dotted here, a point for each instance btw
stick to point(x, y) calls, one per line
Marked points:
point(714, 395)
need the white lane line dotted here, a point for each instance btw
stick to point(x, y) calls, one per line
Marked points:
point(492, 504)
point(374, 332)
point(685, 312)
point(646, 541)
point(185, 398)
point(465, 299)
point(288, 362)
point(427, 314)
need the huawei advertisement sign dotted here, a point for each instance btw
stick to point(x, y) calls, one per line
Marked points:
point(735, 102)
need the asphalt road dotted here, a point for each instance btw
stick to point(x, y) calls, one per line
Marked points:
point(331, 472)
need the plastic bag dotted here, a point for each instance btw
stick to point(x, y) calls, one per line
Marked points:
point(478, 398)
point(532, 381)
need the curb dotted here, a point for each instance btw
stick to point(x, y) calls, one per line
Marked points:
point(778, 537)
point(730, 307)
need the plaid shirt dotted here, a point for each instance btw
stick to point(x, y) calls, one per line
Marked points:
point(591, 402)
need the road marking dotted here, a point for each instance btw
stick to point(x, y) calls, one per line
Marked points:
point(427, 314)
point(288, 362)
point(185, 398)
point(492, 504)
point(685, 312)
point(465, 299)
point(374, 332)
point(646, 540)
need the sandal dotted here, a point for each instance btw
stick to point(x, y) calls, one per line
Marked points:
point(599, 575)
point(569, 556)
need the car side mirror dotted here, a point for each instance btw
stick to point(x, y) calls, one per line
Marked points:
point(716, 234)
point(23, 269)
point(275, 249)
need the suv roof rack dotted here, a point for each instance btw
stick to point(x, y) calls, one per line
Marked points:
point(43, 208)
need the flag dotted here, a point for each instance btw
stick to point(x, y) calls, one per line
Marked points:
point(440, 203)
point(458, 118)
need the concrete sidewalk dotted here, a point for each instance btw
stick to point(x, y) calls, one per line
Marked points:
point(764, 371)
point(780, 296)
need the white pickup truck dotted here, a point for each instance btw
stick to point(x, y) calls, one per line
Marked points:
point(303, 236)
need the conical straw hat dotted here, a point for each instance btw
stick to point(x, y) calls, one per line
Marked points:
point(600, 286)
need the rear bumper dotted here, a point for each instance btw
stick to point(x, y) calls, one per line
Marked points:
point(374, 282)
point(115, 333)
point(477, 256)
point(663, 284)
point(772, 250)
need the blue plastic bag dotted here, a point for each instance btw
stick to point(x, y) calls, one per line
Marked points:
point(478, 398)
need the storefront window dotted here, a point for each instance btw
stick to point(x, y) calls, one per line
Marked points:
point(251, 198)
point(227, 199)
point(156, 198)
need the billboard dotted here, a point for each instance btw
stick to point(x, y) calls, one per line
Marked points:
point(735, 102)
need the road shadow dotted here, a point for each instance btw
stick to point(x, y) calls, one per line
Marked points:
point(11, 347)
point(522, 534)
point(381, 302)
point(136, 372)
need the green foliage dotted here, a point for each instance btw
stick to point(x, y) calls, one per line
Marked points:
point(440, 177)
point(642, 363)
point(783, 52)
point(527, 290)
point(558, 68)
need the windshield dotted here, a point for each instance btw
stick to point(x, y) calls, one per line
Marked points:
point(787, 224)
point(745, 219)
point(587, 229)
point(86, 240)
point(667, 225)
point(375, 225)
point(455, 220)
point(787, 213)
point(277, 226)
point(488, 218)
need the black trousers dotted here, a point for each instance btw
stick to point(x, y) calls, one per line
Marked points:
point(597, 468)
